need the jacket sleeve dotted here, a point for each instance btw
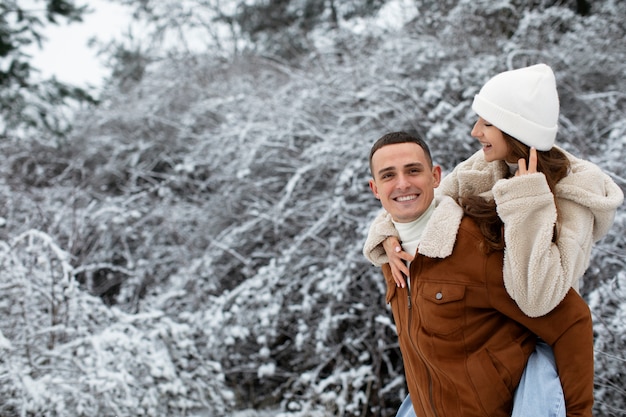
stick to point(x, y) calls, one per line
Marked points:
point(380, 229)
point(538, 272)
point(449, 185)
point(568, 329)
point(473, 176)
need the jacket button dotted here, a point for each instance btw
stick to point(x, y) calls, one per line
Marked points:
point(439, 296)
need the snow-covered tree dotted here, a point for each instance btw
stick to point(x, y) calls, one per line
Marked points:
point(194, 247)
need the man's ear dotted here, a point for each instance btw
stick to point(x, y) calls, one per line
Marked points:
point(436, 176)
point(374, 188)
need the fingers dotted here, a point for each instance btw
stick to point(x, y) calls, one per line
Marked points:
point(399, 279)
point(397, 260)
point(532, 161)
point(405, 256)
point(399, 269)
point(390, 244)
point(522, 169)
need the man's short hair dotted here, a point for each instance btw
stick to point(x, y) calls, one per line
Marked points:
point(400, 137)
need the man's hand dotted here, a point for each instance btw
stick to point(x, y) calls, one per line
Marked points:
point(397, 258)
point(522, 169)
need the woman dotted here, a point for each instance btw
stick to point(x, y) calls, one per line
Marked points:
point(553, 206)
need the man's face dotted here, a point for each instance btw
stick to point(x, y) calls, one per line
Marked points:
point(403, 180)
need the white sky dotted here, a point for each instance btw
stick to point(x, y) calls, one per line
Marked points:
point(66, 55)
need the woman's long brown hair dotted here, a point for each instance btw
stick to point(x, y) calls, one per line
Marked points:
point(552, 163)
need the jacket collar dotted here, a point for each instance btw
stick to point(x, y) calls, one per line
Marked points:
point(440, 233)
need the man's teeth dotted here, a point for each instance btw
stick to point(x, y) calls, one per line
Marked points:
point(406, 198)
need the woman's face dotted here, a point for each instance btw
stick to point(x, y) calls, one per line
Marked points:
point(495, 147)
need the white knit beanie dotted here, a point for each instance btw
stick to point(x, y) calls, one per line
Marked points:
point(523, 103)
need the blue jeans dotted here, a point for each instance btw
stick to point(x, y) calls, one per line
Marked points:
point(406, 408)
point(539, 393)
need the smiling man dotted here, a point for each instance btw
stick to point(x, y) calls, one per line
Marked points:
point(464, 341)
point(404, 176)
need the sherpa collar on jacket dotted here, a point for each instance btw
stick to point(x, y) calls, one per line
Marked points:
point(440, 234)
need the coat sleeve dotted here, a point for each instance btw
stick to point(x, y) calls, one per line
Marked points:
point(568, 329)
point(380, 229)
point(473, 176)
point(449, 185)
point(538, 272)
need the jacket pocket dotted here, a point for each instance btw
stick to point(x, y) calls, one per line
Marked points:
point(490, 389)
point(442, 307)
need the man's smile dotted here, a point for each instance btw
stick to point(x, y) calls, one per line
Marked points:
point(404, 198)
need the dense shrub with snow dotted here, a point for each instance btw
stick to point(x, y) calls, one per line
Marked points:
point(194, 248)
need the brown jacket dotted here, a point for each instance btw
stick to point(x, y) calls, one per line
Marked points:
point(465, 342)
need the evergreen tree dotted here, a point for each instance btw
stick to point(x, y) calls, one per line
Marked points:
point(26, 104)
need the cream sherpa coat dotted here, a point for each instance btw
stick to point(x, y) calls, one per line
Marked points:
point(537, 272)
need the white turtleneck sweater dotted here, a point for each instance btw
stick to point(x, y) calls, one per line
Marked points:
point(411, 232)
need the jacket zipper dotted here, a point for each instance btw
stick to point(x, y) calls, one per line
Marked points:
point(408, 291)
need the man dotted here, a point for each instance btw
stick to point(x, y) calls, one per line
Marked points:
point(464, 341)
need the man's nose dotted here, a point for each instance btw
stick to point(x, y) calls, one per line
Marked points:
point(403, 182)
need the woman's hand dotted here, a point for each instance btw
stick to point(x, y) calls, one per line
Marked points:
point(532, 164)
point(397, 258)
